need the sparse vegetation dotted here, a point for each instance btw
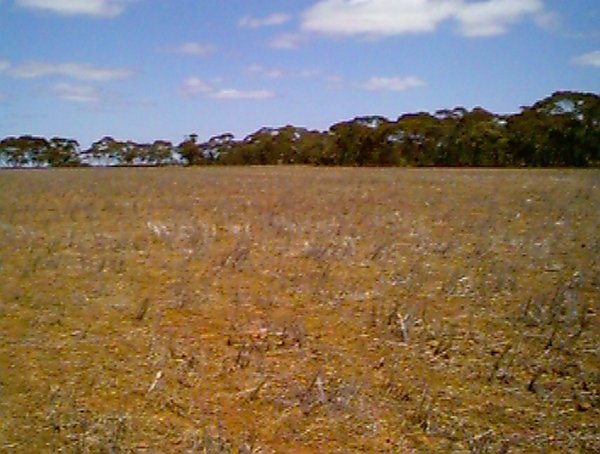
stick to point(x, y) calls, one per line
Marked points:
point(280, 309)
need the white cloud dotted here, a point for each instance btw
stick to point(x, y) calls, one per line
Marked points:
point(271, 20)
point(288, 41)
point(196, 49)
point(77, 93)
point(232, 93)
point(101, 8)
point(271, 73)
point(377, 18)
point(589, 59)
point(4, 65)
point(492, 17)
point(78, 71)
point(392, 83)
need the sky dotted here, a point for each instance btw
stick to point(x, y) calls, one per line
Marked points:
point(162, 69)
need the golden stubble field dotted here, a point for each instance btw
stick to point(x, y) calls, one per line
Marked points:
point(291, 309)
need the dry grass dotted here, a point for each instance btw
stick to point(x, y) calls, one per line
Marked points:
point(299, 310)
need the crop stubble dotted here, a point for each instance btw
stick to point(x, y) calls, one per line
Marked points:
point(292, 309)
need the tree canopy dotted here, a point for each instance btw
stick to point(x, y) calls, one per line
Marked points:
point(560, 130)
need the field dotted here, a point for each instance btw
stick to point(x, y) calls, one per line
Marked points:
point(292, 309)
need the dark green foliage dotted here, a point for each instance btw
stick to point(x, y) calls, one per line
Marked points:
point(561, 130)
point(29, 151)
point(190, 151)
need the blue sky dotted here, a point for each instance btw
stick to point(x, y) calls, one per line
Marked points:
point(150, 69)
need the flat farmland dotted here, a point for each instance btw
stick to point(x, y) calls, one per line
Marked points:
point(296, 309)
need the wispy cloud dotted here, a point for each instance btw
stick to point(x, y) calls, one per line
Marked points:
point(271, 73)
point(268, 72)
point(589, 59)
point(77, 93)
point(378, 18)
point(99, 8)
point(268, 21)
point(194, 86)
point(288, 41)
point(4, 65)
point(196, 49)
point(233, 93)
point(335, 81)
point(548, 20)
point(308, 73)
point(79, 71)
point(393, 83)
point(587, 35)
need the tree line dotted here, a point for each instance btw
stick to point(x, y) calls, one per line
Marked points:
point(561, 130)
